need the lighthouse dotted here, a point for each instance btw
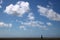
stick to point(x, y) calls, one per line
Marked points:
point(41, 37)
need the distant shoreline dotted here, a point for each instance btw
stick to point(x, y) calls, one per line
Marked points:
point(29, 39)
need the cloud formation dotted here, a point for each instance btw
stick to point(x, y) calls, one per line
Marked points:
point(2, 24)
point(49, 24)
point(0, 6)
point(49, 13)
point(31, 24)
point(22, 27)
point(31, 16)
point(1, 3)
point(18, 9)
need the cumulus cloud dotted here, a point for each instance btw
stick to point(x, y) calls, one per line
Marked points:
point(49, 24)
point(18, 9)
point(31, 16)
point(2, 24)
point(49, 13)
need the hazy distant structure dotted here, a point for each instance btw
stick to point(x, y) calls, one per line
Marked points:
point(41, 37)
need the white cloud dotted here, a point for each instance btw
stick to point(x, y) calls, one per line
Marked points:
point(18, 9)
point(49, 13)
point(31, 16)
point(1, 1)
point(22, 27)
point(0, 6)
point(2, 24)
point(37, 24)
point(49, 24)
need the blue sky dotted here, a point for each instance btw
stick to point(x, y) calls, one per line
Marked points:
point(29, 18)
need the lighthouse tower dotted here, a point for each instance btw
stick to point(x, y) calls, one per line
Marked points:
point(41, 37)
